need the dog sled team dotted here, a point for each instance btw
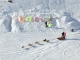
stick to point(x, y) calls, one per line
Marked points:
point(38, 43)
point(47, 41)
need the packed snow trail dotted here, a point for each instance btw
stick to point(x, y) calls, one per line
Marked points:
point(53, 49)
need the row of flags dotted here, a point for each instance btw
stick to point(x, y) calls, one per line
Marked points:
point(29, 19)
point(38, 19)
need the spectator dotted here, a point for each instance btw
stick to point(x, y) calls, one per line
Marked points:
point(46, 24)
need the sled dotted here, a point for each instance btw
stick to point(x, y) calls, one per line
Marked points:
point(61, 38)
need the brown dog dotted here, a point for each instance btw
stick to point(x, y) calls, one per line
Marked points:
point(22, 46)
point(37, 43)
point(47, 40)
point(30, 44)
point(44, 40)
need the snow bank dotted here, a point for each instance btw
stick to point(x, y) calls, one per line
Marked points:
point(61, 20)
point(5, 23)
point(68, 22)
point(41, 8)
point(10, 22)
point(37, 5)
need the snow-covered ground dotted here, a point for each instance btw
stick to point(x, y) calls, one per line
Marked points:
point(15, 34)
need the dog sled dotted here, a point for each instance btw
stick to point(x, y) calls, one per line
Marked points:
point(61, 38)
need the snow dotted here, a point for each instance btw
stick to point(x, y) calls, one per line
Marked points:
point(15, 34)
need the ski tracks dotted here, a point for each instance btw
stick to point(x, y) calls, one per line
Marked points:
point(36, 51)
point(47, 50)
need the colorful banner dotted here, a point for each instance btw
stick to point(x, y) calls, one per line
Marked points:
point(37, 19)
point(21, 19)
point(29, 19)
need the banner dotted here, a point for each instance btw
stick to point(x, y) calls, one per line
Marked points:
point(29, 19)
point(37, 19)
point(21, 19)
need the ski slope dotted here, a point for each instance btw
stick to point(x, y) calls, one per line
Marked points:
point(15, 34)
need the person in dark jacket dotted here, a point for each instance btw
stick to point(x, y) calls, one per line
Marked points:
point(72, 30)
point(46, 24)
point(62, 33)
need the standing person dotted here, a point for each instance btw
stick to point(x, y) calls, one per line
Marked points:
point(72, 30)
point(46, 24)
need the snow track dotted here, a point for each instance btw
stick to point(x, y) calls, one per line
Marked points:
point(54, 49)
point(15, 34)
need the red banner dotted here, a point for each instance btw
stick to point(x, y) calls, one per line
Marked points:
point(37, 19)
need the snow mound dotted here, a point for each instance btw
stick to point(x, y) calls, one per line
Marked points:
point(64, 21)
point(67, 22)
point(10, 23)
point(5, 23)
point(40, 8)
